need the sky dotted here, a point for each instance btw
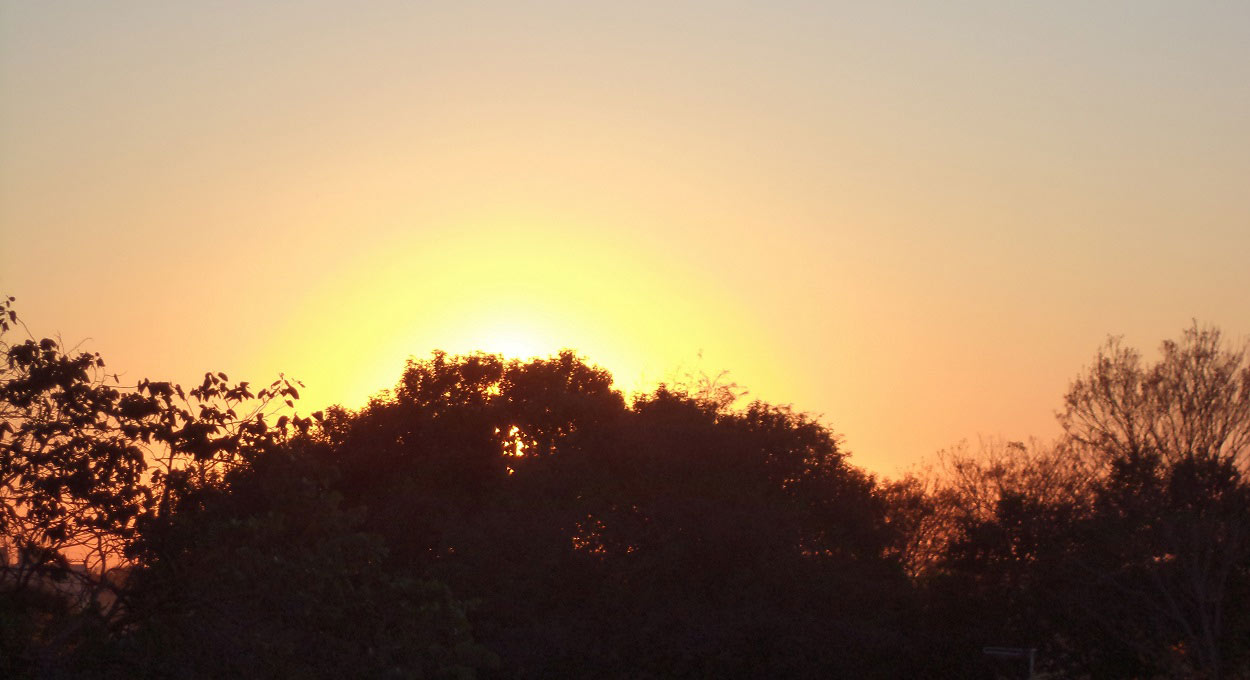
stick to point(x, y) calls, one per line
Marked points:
point(917, 221)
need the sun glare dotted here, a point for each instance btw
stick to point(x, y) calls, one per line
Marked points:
point(575, 288)
point(513, 341)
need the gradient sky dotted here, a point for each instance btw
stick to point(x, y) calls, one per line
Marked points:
point(917, 219)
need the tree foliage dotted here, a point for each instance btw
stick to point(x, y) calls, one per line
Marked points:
point(108, 490)
point(152, 531)
point(662, 537)
point(1133, 529)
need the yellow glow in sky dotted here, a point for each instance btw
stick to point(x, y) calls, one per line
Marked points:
point(510, 288)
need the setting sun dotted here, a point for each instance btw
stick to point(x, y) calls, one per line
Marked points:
point(512, 340)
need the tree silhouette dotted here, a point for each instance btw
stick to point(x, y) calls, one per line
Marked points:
point(266, 575)
point(1172, 504)
point(1132, 530)
point(676, 536)
point(132, 518)
point(522, 519)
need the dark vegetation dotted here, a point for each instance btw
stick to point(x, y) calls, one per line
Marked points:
point(506, 519)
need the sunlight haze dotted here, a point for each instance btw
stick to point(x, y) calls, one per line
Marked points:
point(918, 220)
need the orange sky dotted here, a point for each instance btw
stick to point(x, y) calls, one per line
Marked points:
point(916, 219)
